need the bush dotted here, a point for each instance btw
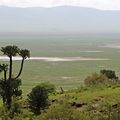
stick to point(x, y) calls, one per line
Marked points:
point(48, 86)
point(66, 112)
point(59, 112)
point(15, 110)
point(95, 79)
point(109, 73)
point(38, 99)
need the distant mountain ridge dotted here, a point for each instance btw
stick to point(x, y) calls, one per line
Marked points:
point(64, 19)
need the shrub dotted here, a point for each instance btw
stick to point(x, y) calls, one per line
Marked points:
point(65, 112)
point(58, 112)
point(95, 79)
point(48, 86)
point(15, 110)
point(109, 73)
point(38, 99)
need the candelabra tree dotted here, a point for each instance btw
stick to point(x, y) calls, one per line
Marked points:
point(10, 84)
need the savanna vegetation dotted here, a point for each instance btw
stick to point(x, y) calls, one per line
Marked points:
point(67, 75)
point(97, 99)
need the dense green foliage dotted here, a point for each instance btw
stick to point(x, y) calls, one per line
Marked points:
point(49, 87)
point(38, 99)
point(109, 73)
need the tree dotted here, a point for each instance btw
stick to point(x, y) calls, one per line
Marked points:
point(24, 54)
point(10, 86)
point(3, 68)
point(10, 51)
point(109, 73)
point(38, 99)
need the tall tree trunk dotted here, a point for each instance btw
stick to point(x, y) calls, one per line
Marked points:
point(21, 68)
point(10, 69)
point(8, 94)
point(9, 101)
point(5, 75)
point(8, 89)
point(5, 86)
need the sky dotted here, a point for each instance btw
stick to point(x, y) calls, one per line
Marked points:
point(98, 4)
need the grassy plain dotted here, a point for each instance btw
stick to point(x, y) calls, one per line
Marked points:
point(68, 75)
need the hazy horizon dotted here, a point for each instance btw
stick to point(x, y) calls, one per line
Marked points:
point(64, 19)
point(98, 4)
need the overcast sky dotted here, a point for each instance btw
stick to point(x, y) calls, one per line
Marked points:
point(99, 4)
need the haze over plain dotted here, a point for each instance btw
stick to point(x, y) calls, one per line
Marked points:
point(63, 19)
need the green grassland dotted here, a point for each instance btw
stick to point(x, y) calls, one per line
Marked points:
point(68, 75)
point(96, 103)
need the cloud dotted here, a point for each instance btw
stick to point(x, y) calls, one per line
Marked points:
point(99, 4)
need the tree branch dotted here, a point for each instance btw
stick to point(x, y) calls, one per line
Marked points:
point(10, 69)
point(21, 68)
